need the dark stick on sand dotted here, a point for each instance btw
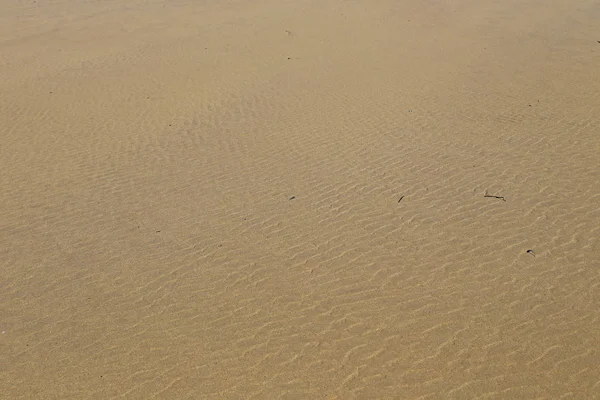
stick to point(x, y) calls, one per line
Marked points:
point(492, 196)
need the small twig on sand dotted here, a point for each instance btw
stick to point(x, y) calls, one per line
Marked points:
point(492, 196)
point(400, 199)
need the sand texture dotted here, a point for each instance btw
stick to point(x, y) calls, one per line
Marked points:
point(300, 199)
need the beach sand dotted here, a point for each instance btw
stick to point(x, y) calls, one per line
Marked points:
point(294, 199)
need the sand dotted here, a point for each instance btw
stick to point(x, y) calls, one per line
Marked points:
point(287, 199)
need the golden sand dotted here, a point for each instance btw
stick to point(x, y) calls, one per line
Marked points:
point(287, 199)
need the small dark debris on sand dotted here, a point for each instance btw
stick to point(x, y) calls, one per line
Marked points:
point(492, 196)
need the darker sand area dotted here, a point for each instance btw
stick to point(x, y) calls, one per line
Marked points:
point(286, 199)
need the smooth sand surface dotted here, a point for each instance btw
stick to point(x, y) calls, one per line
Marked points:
point(201, 199)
